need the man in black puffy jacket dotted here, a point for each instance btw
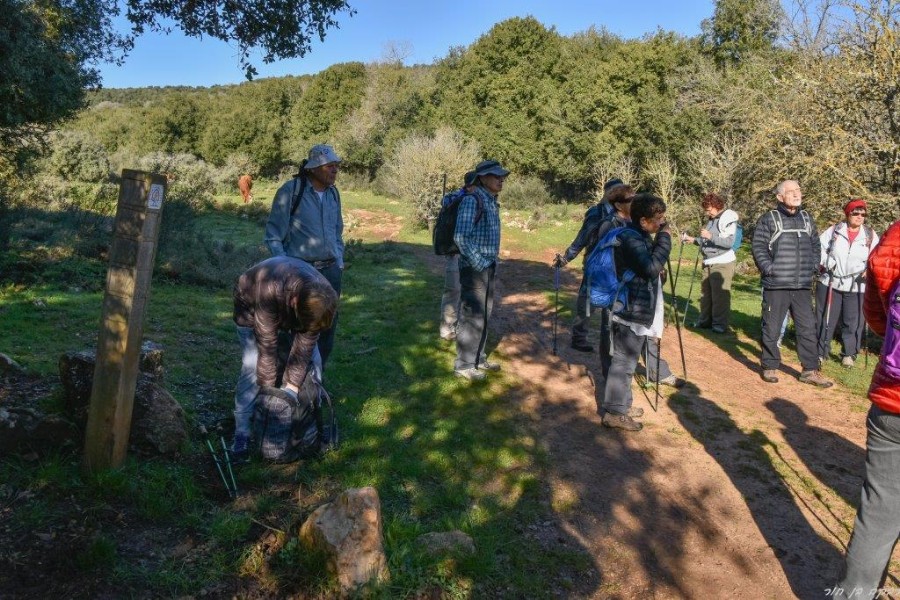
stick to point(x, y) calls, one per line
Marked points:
point(642, 315)
point(786, 250)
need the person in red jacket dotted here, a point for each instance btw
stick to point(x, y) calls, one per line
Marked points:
point(877, 524)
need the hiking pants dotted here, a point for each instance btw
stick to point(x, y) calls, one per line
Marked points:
point(333, 274)
point(450, 298)
point(582, 318)
point(627, 347)
point(247, 386)
point(846, 313)
point(476, 303)
point(775, 306)
point(715, 295)
point(648, 353)
point(877, 524)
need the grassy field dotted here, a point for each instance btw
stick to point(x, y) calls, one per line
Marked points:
point(442, 454)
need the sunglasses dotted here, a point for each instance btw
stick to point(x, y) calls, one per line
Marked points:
point(858, 213)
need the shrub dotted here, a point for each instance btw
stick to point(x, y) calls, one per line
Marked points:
point(191, 180)
point(420, 164)
point(226, 177)
point(78, 156)
point(524, 192)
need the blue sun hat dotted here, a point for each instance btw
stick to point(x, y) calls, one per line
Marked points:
point(321, 154)
point(490, 167)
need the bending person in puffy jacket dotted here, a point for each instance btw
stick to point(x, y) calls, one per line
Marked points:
point(281, 294)
point(786, 250)
point(845, 250)
point(642, 315)
point(877, 524)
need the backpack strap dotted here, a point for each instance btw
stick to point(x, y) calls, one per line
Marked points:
point(295, 199)
point(779, 228)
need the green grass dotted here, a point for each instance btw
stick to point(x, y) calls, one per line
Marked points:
point(442, 453)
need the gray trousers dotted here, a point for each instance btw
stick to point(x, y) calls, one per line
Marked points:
point(877, 523)
point(450, 297)
point(476, 304)
point(627, 347)
point(334, 275)
point(715, 295)
point(582, 318)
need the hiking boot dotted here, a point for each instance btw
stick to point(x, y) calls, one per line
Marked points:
point(719, 329)
point(240, 449)
point(672, 381)
point(582, 346)
point(770, 375)
point(449, 335)
point(815, 378)
point(699, 325)
point(848, 361)
point(487, 365)
point(620, 421)
point(635, 412)
point(472, 374)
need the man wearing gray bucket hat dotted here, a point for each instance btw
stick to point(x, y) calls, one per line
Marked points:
point(306, 223)
point(478, 238)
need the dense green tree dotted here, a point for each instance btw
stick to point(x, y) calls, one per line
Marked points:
point(330, 97)
point(739, 28)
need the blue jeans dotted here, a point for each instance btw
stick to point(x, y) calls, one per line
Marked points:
point(877, 523)
point(247, 387)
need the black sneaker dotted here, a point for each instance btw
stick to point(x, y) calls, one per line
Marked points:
point(582, 346)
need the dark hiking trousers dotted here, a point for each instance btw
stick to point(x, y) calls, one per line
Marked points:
point(775, 306)
point(846, 313)
point(333, 274)
point(476, 303)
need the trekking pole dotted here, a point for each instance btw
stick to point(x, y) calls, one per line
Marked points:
point(658, 359)
point(217, 461)
point(677, 271)
point(228, 463)
point(556, 311)
point(677, 326)
point(687, 303)
point(826, 320)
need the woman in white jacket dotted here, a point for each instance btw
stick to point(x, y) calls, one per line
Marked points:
point(839, 293)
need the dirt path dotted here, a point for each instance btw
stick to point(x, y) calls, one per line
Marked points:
point(735, 488)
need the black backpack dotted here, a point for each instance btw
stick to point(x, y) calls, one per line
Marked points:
point(445, 225)
point(289, 429)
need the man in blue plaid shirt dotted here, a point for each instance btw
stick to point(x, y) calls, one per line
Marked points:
point(478, 238)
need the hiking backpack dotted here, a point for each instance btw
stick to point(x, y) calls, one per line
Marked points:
point(779, 226)
point(605, 288)
point(289, 428)
point(445, 224)
point(890, 349)
point(738, 236)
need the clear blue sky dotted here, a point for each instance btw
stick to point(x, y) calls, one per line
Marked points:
point(429, 28)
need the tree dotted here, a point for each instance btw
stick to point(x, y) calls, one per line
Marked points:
point(739, 28)
point(49, 49)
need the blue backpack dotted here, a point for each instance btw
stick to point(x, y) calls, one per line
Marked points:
point(738, 236)
point(606, 289)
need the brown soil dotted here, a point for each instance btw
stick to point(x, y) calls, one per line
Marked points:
point(735, 488)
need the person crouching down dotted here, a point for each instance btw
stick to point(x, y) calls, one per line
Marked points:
point(281, 294)
point(642, 316)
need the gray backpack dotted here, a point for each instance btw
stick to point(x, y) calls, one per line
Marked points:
point(289, 429)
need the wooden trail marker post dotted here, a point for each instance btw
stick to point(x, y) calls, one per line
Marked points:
point(131, 258)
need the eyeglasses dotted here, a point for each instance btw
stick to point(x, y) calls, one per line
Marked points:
point(858, 213)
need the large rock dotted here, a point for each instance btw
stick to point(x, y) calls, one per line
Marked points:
point(23, 427)
point(348, 531)
point(157, 423)
point(9, 367)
